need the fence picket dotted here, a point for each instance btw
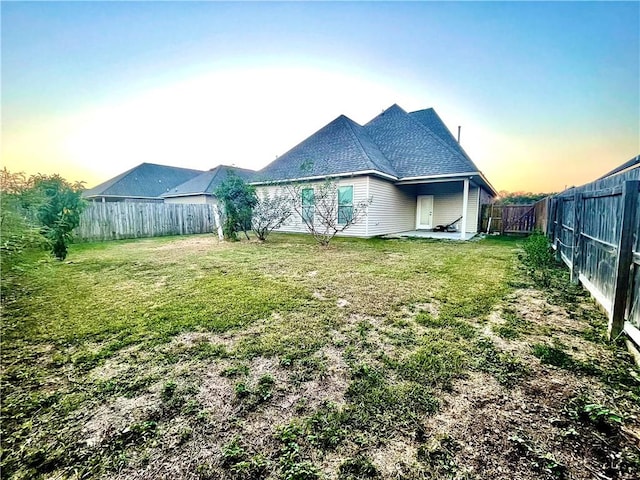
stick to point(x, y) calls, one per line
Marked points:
point(602, 220)
point(116, 220)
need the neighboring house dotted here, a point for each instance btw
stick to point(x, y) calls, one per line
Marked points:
point(409, 164)
point(201, 189)
point(144, 183)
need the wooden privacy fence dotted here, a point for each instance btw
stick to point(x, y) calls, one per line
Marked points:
point(508, 218)
point(595, 231)
point(116, 220)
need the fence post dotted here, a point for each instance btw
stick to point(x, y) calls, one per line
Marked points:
point(576, 252)
point(557, 235)
point(624, 258)
point(553, 210)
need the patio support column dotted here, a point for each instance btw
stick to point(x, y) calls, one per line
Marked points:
point(465, 204)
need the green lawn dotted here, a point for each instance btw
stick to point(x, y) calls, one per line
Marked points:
point(184, 357)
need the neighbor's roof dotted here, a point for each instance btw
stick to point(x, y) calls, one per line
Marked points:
point(207, 182)
point(147, 180)
point(395, 144)
point(341, 146)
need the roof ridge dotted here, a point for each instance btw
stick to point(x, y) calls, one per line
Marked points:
point(359, 142)
point(442, 142)
point(169, 166)
point(212, 178)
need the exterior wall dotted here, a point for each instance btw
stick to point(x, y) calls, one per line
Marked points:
point(392, 209)
point(447, 203)
point(295, 223)
point(191, 199)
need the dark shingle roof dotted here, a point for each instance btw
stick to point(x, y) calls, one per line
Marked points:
point(413, 148)
point(147, 180)
point(208, 182)
point(395, 143)
point(342, 146)
point(430, 119)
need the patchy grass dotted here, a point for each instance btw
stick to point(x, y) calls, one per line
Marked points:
point(190, 358)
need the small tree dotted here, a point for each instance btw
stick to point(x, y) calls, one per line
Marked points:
point(269, 213)
point(238, 200)
point(59, 207)
point(37, 211)
point(326, 209)
point(18, 228)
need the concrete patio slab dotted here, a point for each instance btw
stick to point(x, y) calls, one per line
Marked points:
point(430, 234)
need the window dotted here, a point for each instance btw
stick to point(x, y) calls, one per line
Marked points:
point(308, 205)
point(345, 205)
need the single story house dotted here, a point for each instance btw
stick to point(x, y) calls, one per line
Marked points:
point(408, 165)
point(201, 189)
point(144, 183)
point(149, 182)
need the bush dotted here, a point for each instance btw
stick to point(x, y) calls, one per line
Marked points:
point(238, 200)
point(538, 258)
point(270, 212)
point(538, 252)
point(36, 212)
point(58, 211)
point(17, 231)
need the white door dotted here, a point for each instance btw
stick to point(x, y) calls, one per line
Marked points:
point(424, 212)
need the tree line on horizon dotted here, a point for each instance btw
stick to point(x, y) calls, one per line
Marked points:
point(520, 198)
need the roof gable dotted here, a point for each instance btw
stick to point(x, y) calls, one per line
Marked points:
point(147, 180)
point(206, 183)
point(340, 147)
point(413, 148)
point(430, 119)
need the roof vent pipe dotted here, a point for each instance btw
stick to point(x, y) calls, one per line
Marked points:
point(459, 128)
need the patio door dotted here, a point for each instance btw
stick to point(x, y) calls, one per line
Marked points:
point(424, 212)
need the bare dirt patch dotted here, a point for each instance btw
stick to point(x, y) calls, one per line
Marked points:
point(113, 418)
point(540, 426)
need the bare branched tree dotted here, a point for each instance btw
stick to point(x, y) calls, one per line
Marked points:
point(269, 213)
point(326, 209)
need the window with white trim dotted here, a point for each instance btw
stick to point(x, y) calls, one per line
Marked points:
point(345, 204)
point(308, 205)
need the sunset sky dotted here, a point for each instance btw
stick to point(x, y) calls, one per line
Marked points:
point(547, 94)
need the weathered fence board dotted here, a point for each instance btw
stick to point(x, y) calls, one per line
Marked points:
point(595, 230)
point(541, 214)
point(116, 220)
point(508, 218)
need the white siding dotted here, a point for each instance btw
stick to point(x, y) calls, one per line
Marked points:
point(198, 199)
point(392, 210)
point(295, 223)
point(447, 203)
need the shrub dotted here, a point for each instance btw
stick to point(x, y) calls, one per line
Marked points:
point(269, 213)
point(538, 252)
point(238, 200)
point(58, 211)
point(45, 204)
point(538, 258)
